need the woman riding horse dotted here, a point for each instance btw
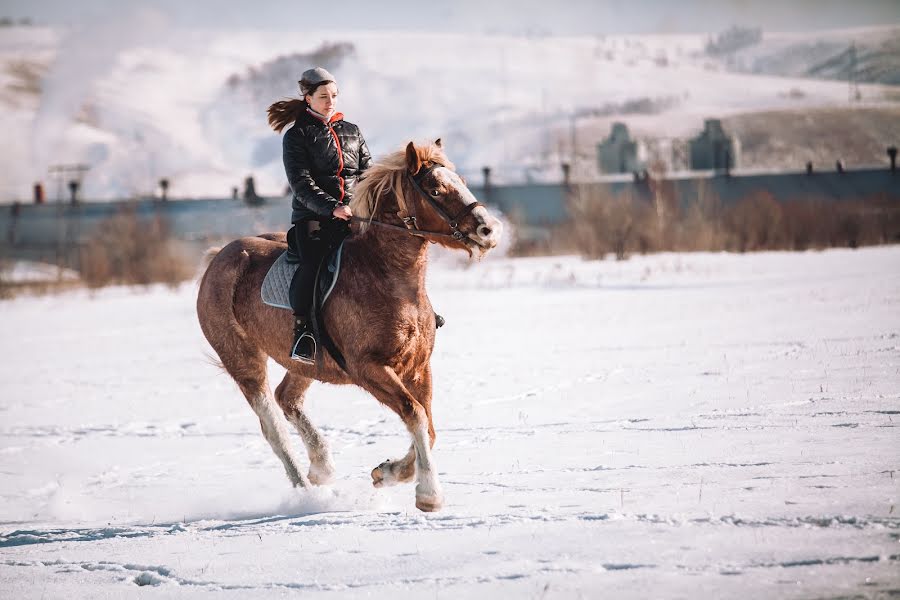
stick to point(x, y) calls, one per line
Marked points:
point(324, 155)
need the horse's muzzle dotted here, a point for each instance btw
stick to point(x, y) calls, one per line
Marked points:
point(488, 233)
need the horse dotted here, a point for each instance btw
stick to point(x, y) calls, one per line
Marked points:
point(378, 314)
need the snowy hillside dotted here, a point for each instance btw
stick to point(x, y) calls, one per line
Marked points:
point(140, 103)
point(871, 55)
point(672, 426)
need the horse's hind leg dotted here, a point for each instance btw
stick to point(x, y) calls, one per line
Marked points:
point(383, 383)
point(290, 395)
point(247, 366)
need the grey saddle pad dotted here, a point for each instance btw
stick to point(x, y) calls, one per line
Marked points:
point(276, 286)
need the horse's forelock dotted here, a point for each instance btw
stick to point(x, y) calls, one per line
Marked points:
point(434, 154)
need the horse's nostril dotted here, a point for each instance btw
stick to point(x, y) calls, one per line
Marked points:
point(484, 231)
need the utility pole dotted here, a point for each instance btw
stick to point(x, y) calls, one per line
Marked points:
point(65, 175)
point(853, 94)
point(574, 140)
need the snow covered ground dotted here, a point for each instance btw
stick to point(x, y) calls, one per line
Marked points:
point(695, 425)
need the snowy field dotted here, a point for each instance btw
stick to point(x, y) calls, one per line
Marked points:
point(674, 426)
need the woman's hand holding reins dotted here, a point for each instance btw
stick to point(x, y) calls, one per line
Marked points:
point(342, 212)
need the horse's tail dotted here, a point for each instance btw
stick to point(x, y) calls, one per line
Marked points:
point(207, 259)
point(209, 255)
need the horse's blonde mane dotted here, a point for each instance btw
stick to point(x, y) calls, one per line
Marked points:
point(386, 177)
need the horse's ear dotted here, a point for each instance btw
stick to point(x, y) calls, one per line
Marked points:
point(438, 143)
point(413, 163)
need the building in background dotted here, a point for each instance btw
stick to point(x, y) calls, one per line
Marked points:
point(618, 153)
point(713, 149)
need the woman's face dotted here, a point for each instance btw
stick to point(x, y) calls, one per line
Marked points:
point(324, 99)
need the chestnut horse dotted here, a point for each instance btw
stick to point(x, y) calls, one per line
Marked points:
point(378, 315)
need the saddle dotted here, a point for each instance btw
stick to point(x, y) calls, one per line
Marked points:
point(277, 284)
point(276, 288)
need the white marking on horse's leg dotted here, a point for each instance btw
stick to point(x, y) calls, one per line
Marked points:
point(321, 465)
point(392, 472)
point(429, 495)
point(274, 429)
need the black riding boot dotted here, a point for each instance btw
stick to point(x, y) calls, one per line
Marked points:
point(304, 348)
point(438, 321)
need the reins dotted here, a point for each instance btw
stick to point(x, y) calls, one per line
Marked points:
point(397, 227)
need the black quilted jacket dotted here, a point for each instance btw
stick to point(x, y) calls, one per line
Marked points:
point(322, 162)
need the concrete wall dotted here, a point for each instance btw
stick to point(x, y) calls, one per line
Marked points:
point(41, 231)
point(45, 232)
point(832, 186)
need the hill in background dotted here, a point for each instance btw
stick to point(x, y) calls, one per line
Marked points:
point(190, 106)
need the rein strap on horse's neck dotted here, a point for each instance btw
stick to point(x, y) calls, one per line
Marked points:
point(415, 232)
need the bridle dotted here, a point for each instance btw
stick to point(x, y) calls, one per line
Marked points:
point(407, 212)
point(409, 219)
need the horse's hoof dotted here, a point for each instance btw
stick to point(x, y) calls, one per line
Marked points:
point(380, 474)
point(429, 503)
point(321, 475)
point(392, 472)
point(377, 477)
point(429, 499)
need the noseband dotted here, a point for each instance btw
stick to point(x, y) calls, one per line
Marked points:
point(407, 212)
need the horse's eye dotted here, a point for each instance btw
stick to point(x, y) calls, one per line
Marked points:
point(435, 193)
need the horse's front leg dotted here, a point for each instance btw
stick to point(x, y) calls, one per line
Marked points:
point(402, 470)
point(413, 405)
point(392, 472)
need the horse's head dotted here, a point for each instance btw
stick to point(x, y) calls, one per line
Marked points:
point(439, 200)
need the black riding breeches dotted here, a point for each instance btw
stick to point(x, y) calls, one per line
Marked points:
point(309, 249)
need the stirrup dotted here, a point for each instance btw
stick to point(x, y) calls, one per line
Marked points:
point(309, 359)
point(438, 321)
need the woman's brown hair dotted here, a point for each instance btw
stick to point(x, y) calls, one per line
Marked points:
point(285, 112)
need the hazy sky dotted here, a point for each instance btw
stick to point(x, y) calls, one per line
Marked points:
point(559, 17)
